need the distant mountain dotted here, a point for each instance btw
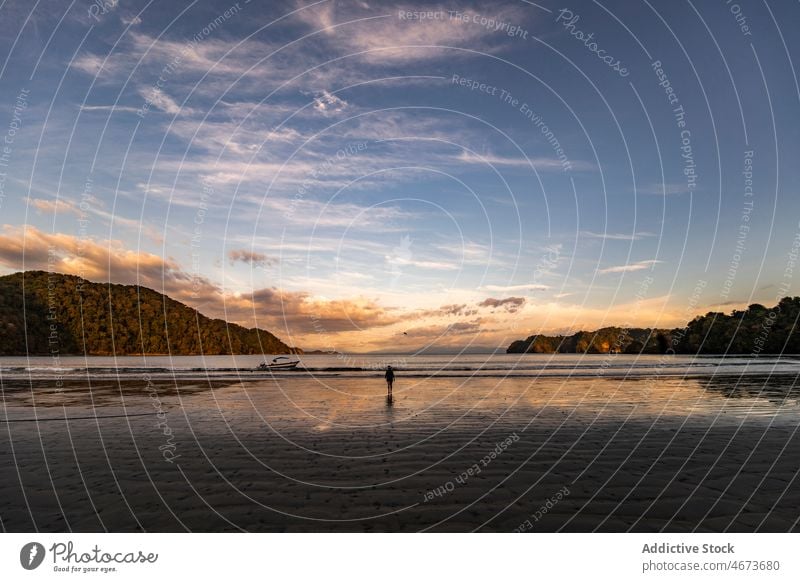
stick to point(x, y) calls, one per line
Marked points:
point(64, 314)
point(757, 330)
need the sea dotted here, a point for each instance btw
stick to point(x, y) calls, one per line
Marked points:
point(408, 365)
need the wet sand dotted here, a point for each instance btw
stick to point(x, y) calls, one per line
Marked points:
point(302, 455)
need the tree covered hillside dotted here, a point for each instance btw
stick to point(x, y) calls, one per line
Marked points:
point(756, 330)
point(69, 315)
point(606, 340)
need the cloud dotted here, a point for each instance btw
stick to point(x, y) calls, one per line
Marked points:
point(384, 35)
point(512, 288)
point(509, 304)
point(640, 266)
point(234, 137)
point(26, 247)
point(420, 264)
point(615, 236)
point(132, 20)
point(465, 327)
point(467, 252)
point(371, 38)
point(300, 313)
point(538, 163)
point(438, 332)
point(89, 207)
point(112, 108)
point(259, 155)
point(505, 305)
point(326, 102)
point(455, 309)
point(93, 65)
point(59, 206)
point(139, 51)
point(139, 58)
point(251, 258)
point(162, 101)
point(313, 213)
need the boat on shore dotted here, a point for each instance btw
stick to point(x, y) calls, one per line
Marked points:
point(279, 363)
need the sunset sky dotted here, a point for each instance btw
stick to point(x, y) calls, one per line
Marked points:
point(350, 175)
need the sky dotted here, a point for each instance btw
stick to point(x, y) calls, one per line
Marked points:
point(379, 176)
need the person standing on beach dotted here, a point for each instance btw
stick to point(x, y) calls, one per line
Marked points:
point(389, 379)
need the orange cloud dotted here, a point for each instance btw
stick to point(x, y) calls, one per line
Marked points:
point(28, 248)
point(59, 206)
point(301, 313)
point(292, 313)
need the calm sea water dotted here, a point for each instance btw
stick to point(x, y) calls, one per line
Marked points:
point(344, 365)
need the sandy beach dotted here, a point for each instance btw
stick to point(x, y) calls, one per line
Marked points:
point(449, 454)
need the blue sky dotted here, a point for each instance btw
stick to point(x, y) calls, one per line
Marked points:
point(378, 175)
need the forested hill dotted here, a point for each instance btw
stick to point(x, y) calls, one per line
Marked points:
point(64, 313)
point(602, 341)
point(756, 330)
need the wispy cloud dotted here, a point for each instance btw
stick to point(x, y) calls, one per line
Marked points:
point(640, 266)
point(422, 264)
point(471, 158)
point(385, 36)
point(616, 236)
point(318, 214)
point(513, 288)
point(63, 206)
point(469, 252)
point(53, 206)
point(112, 108)
point(537, 163)
point(162, 101)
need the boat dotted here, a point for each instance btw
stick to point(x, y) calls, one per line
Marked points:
point(279, 363)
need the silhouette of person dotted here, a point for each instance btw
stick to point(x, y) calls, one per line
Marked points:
point(389, 380)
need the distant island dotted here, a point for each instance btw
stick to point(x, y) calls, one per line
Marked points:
point(65, 314)
point(754, 331)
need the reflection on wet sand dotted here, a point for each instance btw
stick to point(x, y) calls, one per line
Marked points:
point(335, 454)
point(780, 390)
